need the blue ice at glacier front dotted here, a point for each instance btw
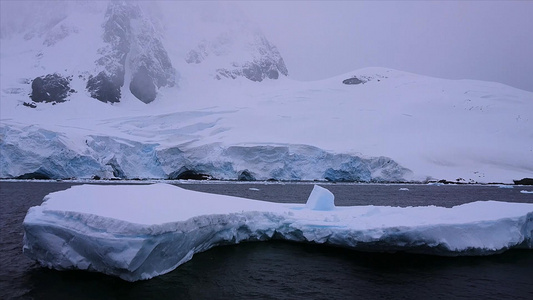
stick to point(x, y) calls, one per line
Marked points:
point(141, 231)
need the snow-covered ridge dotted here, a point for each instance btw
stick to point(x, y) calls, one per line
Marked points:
point(138, 232)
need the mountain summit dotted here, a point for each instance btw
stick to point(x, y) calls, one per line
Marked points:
point(132, 44)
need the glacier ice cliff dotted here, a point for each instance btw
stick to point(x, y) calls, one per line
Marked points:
point(34, 152)
point(149, 230)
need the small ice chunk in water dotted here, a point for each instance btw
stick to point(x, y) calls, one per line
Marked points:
point(404, 189)
point(505, 186)
point(320, 199)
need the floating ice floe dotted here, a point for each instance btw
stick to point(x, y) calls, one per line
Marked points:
point(505, 186)
point(526, 192)
point(140, 231)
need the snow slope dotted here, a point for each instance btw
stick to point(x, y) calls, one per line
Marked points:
point(436, 128)
point(394, 126)
point(142, 231)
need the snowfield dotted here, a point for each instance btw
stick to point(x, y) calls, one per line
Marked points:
point(142, 231)
point(403, 127)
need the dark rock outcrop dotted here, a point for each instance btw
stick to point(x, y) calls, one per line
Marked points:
point(362, 79)
point(104, 87)
point(353, 80)
point(259, 70)
point(142, 85)
point(269, 63)
point(28, 104)
point(50, 88)
point(152, 69)
point(524, 181)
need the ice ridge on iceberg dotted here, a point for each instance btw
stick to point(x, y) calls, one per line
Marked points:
point(142, 231)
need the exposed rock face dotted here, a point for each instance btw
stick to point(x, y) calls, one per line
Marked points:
point(50, 88)
point(524, 181)
point(362, 79)
point(265, 60)
point(353, 80)
point(268, 64)
point(150, 64)
point(131, 42)
point(105, 87)
point(142, 85)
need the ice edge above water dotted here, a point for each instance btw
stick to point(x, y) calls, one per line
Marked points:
point(139, 232)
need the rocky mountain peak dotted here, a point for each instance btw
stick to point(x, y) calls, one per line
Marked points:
point(262, 59)
point(233, 46)
point(132, 44)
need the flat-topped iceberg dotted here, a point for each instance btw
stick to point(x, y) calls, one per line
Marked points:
point(140, 231)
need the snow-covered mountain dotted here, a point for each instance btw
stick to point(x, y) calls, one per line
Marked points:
point(111, 89)
point(105, 52)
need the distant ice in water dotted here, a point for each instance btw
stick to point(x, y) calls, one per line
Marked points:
point(505, 186)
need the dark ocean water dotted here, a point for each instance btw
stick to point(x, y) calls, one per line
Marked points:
point(281, 270)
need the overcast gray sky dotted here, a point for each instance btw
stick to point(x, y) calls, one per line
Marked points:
point(484, 40)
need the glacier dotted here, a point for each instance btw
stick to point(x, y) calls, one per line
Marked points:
point(32, 152)
point(138, 232)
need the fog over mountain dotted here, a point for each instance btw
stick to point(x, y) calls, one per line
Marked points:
point(481, 40)
point(176, 90)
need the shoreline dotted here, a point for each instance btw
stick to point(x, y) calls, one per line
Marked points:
point(265, 182)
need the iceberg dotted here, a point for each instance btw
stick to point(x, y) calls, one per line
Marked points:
point(138, 232)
